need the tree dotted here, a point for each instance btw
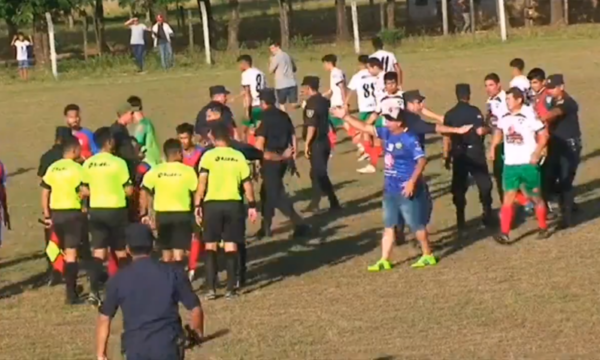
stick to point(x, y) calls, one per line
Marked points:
point(556, 12)
point(342, 31)
point(101, 44)
point(284, 23)
point(391, 14)
point(234, 26)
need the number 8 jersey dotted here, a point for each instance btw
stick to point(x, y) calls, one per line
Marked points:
point(364, 84)
point(256, 80)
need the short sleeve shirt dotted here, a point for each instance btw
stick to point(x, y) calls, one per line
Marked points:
point(496, 107)
point(202, 125)
point(316, 114)
point(227, 170)
point(21, 47)
point(364, 84)
point(256, 81)
point(566, 126)
point(401, 154)
point(337, 79)
point(173, 184)
point(520, 137)
point(277, 129)
point(460, 115)
point(49, 158)
point(63, 179)
point(137, 34)
point(388, 60)
point(106, 175)
point(522, 83)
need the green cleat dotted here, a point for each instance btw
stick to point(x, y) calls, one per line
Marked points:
point(425, 260)
point(380, 266)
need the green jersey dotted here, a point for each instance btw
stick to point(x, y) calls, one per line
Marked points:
point(146, 137)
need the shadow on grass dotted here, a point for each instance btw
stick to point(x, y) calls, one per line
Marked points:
point(33, 282)
point(20, 260)
point(19, 171)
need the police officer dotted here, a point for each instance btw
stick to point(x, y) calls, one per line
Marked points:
point(148, 293)
point(467, 154)
point(274, 136)
point(316, 143)
point(564, 147)
point(217, 104)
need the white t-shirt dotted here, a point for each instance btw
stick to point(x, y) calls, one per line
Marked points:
point(390, 103)
point(520, 137)
point(256, 80)
point(22, 49)
point(137, 34)
point(496, 107)
point(336, 77)
point(387, 58)
point(364, 84)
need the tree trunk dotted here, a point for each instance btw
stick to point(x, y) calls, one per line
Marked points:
point(284, 24)
point(84, 19)
point(391, 14)
point(149, 11)
point(70, 20)
point(343, 33)
point(373, 11)
point(211, 20)
point(40, 42)
point(290, 14)
point(102, 47)
point(556, 12)
point(233, 28)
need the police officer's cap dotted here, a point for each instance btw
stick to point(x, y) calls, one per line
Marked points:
point(139, 236)
point(463, 90)
point(311, 81)
point(554, 81)
point(62, 133)
point(413, 95)
point(218, 90)
point(267, 95)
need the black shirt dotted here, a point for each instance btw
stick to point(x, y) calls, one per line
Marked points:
point(124, 147)
point(316, 114)
point(202, 125)
point(566, 126)
point(277, 129)
point(465, 114)
point(148, 293)
point(417, 126)
point(49, 158)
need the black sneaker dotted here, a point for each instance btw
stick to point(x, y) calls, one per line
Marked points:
point(262, 234)
point(563, 224)
point(543, 234)
point(231, 295)
point(72, 298)
point(211, 295)
point(94, 299)
point(335, 208)
point(502, 239)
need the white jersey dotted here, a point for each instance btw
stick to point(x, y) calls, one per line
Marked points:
point(496, 107)
point(364, 84)
point(21, 47)
point(520, 137)
point(522, 83)
point(256, 81)
point(390, 104)
point(388, 60)
point(336, 78)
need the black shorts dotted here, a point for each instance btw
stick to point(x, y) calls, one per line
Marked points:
point(107, 228)
point(224, 220)
point(174, 229)
point(68, 226)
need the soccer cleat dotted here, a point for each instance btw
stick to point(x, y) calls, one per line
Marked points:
point(301, 231)
point(363, 157)
point(94, 300)
point(211, 295)
point(424, 261)
point(369, 169)
point(543, 234)
point(502, 239)
point(380, 266)
point(231, 295)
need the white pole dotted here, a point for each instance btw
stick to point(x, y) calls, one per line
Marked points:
point(206, 34)
point(355, 27)
point(502, 19)
point(445, 16)
point(52, 47)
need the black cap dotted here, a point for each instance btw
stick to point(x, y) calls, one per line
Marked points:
point(267, 95)
point(139, 235)
point(218, 90)
point(463, 90)
point(412, 95)
point(312, 81)
point(62, 132)
point(555, 80)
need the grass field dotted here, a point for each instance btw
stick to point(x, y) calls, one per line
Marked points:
point(314, 299)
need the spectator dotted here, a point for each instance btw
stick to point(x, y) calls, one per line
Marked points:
point(162, 33)
point(465, 11)
point(138, 45)
point(22, 46)
point(284, 68)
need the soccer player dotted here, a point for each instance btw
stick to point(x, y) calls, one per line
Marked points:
point(108, 179)
point(524, 137)
point(4, 215)
point(72, 114)
point(253, 80)
point(61, 204)
point(337, 92)
point(363, 83)
point(144, 132)
point(519, 80)
point(387, 59)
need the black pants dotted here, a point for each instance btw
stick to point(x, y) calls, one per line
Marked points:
point(475, 165)
point(321, 184)
point(563, 159)
point(498, 170)
point(273, 195)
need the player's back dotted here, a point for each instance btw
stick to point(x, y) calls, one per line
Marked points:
point(388, 59)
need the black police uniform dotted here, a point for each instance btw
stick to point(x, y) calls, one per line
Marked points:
point(564, 149)
point(148, 293)
point(124, 147)
point(468, 156)
point(202, 126)
point(316, 114)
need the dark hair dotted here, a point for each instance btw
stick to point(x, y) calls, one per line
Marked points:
point(493, 77)
point(140, 250)
point(374, 62)
point(245, 58)
point(185, 128)
point(70, 143)
point(71, 107)
point(20, 33)
point(536, 74)
point(517, 64)
point(135, 101)
point(275, 43)
point(390, 76)
point(103, 136)
point(171, 147)
point(516, 93)
point(377, 43)
point(220, 131)
point(329, 58)
point(363, 59)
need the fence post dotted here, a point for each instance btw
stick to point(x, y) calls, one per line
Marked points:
point(52, 45)
point(190, 30)
point(472, 15)
point(206, 34)
point(355, 27)
point(566, 11)
point(84, 19)
point(382, 15)
point(502, 19)
point(445, 16)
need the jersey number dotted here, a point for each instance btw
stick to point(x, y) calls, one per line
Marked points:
point(385, 61)
point(259, 82)
point(368, 90)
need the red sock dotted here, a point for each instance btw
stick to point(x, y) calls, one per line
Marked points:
point(521, 199)
point(375, 154)
point(113, 265)
point(506, 217)
point(194, 252)
point(541, 212)
point(332, 138)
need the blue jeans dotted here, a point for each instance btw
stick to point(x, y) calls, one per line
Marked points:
point(138, 54)
point(399, 210)
point(166, 55)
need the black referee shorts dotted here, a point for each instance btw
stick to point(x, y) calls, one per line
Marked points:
point(68, 226)
point(224, 220)
point(174, 229)
point(107, 228)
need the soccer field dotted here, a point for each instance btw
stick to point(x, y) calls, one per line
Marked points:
point(314, 299)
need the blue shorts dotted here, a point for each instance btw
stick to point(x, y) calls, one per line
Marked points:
point(23, 64)
point(287, 95)
point(399, 210)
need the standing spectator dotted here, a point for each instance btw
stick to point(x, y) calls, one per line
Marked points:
point(138, 45)
point(162, 33)
point(465, 11)
point(284, 68)
point(22, 46)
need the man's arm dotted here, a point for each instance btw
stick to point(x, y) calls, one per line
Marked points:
point(354, 122)
point(186, 296)
point(249, 191)
point(496, 140)
point(430, 114)
point(102, 335)
point(344, 91)
point(542, 137)
point(274, 63)
point(128, 22)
